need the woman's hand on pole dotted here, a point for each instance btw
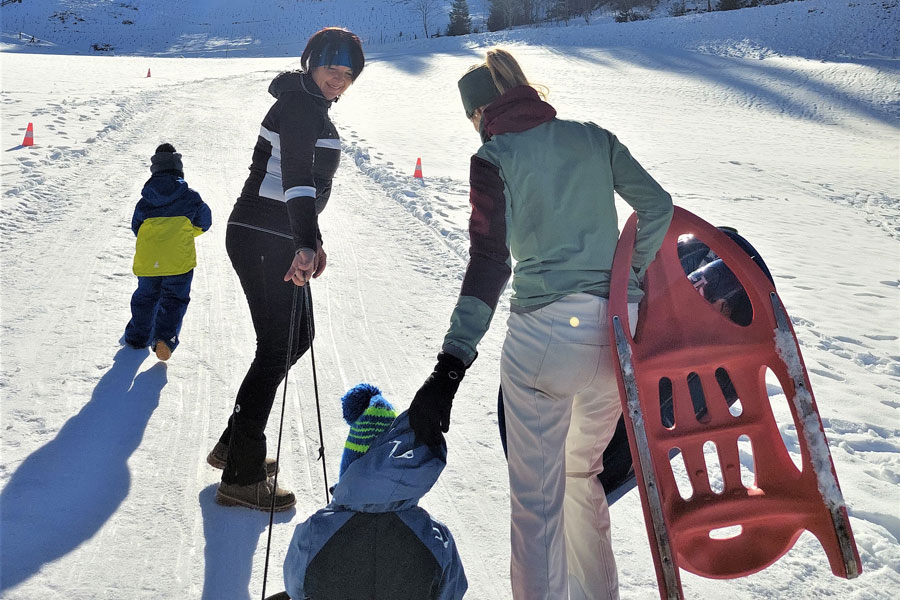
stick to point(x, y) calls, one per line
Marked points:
point(321, 259)
point(302, 267)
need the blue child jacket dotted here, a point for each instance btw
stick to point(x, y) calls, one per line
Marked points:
point(372, 541)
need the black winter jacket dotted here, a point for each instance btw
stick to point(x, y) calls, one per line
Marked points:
point(296, 155)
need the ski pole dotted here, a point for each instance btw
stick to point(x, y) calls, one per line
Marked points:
point(287, 368)
point(312, 356)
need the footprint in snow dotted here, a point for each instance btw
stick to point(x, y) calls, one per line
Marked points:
point(828, 374)
point(891, 403)
point(872, 444)
point(801, 322)
point(848, 340)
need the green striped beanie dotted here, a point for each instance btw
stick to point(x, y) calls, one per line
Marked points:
point(368, 414)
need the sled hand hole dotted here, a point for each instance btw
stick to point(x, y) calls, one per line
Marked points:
point(725, 533)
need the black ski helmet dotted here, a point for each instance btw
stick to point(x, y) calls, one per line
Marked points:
point(714, 280)
point(693, 253)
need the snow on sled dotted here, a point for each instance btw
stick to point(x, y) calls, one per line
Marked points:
point(729, 529)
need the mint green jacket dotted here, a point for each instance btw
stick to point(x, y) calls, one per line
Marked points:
point(542, 195)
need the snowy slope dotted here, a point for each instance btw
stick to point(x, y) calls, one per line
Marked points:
point(206, 27)
point(105, 491)
point(823, 29)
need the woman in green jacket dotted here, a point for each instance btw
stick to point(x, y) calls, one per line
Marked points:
point(542, 193)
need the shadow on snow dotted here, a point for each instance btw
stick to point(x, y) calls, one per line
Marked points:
point(232, 536)
point(63, 493)
point(763, 82)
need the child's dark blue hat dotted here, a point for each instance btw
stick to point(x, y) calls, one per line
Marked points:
point(166, 160)
point(368, 414)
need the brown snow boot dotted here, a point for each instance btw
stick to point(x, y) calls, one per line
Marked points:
point(256, 495)
point(219, 455)
point(163, 352)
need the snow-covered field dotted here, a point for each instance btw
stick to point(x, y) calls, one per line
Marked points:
point(105, 490)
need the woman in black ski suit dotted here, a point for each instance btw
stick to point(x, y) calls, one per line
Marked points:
point(274, 243)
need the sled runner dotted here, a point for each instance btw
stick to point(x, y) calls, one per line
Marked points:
point(725, 530)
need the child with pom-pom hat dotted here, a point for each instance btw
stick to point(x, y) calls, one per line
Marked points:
point(383, 475)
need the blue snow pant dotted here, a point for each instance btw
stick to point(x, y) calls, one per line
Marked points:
point(157, 309)
point(260, 260)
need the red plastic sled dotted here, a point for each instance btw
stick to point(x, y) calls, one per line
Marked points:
point(679, 333)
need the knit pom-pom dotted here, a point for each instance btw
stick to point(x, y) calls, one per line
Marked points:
point(356, 401)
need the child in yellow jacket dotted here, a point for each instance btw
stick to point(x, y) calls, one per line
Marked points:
point(166, 220)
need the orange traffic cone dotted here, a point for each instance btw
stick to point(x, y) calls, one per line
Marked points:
point(148, 71)
point(29, 136)
point(418, 173)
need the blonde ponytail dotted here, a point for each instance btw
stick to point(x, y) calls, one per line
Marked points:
point(507, 73)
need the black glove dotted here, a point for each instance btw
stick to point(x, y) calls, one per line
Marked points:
point(429, 412)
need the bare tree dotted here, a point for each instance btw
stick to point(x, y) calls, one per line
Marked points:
point(426, 9)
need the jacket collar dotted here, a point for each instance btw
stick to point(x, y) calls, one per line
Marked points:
point(517, 110)
point(295, 81)
point(309, 86)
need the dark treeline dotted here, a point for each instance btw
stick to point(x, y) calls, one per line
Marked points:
point(502, 14)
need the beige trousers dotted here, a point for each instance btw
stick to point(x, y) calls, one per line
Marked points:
point(561, 402)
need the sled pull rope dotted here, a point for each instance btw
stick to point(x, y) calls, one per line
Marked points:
point(815, 437)
point(661, 533)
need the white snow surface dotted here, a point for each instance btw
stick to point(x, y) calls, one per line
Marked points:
point(782, 121)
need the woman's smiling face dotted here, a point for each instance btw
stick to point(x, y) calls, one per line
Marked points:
point(333, 80)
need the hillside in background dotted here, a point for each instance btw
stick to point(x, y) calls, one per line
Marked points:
point(204, 27)
point(820, 29)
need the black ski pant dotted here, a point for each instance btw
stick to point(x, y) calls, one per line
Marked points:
point(261, 259)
